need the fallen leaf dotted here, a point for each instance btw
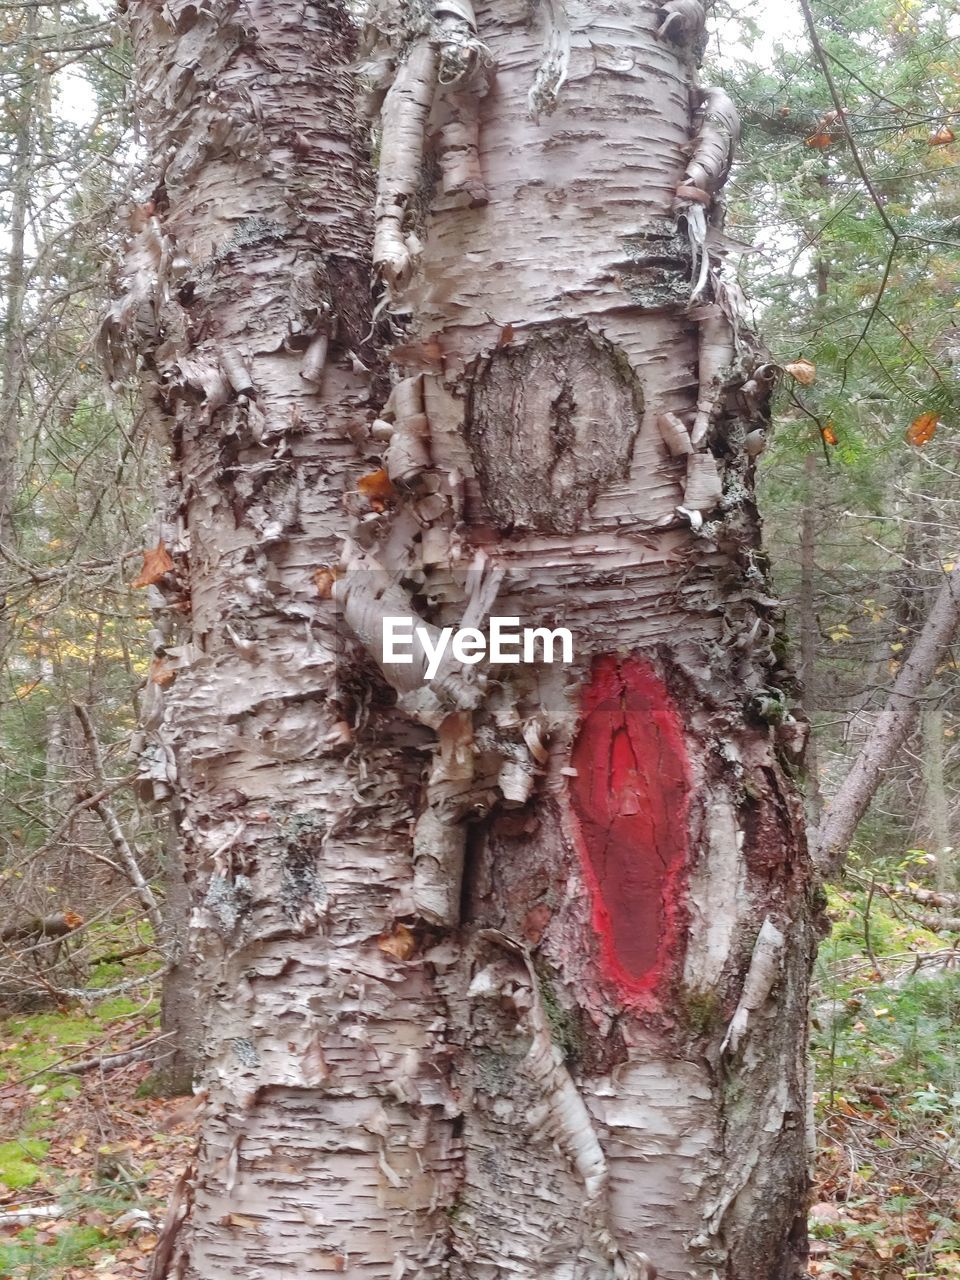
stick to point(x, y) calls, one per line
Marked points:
point(803, 371)
point(400, 942)
point(376, 486)
point(156, 562)
point(161, 673)
point(923, 429)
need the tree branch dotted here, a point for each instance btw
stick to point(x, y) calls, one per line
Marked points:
point(114, 830)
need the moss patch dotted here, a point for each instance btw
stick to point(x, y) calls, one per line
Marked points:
point(18, 1167)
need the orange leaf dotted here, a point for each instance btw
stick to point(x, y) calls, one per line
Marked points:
point(803, 371)
point(376, 486)
point(161, 673)
point(156, 562)
point(820, 140)
point(829, 435)
point(941, 137)
point(922, 431)
point(399, 943)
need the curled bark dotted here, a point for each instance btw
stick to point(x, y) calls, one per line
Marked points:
point(405, 111)
point(763, 973)
point(714, 150)
point(683, 22)
point(449, 59)
point(555, 59)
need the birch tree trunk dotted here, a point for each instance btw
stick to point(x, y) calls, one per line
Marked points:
point(506, 972)
point(328, 1139)
point(585, 396)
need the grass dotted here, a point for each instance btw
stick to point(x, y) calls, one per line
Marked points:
point(32, 1254)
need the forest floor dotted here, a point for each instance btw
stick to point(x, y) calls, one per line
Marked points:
point(94, 1155)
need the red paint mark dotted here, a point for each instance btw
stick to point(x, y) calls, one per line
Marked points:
point(631, 797)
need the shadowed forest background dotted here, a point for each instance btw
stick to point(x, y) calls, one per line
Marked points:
point(847, 191)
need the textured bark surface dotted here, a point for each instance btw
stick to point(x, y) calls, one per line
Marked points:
point(654, 877)
point(506, 973)
point(328, 1138)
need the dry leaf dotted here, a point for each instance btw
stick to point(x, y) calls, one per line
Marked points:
point(829, 435)
point(941, 137)
point(161, 673)
point(156, 562)
point(400, 942)
point(923, 429)
point(376, 486)
point(803, 371)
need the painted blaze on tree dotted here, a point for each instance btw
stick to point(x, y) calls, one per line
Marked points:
point(505, 971)
point(631, 795)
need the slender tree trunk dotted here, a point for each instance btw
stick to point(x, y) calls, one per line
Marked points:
point(934, 818)
point(892, 727)
point(506, 974)
point(810, 634)
point(15, 280)
point(181, 1013)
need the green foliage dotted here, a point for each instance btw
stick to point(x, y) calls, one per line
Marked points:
point(885, 1019)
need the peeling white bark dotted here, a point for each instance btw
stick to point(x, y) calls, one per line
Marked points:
point(397, 1089)
point(762, 974)
point(547, 316)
